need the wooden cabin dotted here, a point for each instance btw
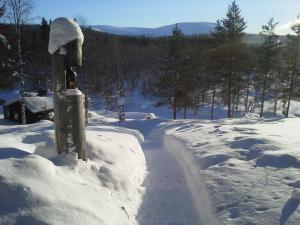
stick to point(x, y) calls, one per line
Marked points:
point(36, 108)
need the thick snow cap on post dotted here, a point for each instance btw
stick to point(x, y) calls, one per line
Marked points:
point(62, 31)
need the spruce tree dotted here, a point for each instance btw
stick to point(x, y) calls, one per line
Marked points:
point(215, 66)
point(45, 31)
point(278, 79)
point(293, 61)
point(169, 87)
point(269, 51)
point(232, 30)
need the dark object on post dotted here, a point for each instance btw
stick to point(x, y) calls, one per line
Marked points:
point(68, 100)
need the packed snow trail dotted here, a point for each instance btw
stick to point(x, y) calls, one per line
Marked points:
point(174, 191)
point(167, 199)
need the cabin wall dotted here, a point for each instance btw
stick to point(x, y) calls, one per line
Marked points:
point(13, 113)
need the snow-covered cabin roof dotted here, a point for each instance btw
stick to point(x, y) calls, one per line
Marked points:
point(35, 104)
point(62, 31)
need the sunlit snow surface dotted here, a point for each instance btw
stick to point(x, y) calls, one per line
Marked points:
point(228, 171)
point(39, 187)
point(251, 168)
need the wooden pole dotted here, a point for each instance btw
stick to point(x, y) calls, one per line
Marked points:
point(68, 100)
point(68, 112)
point(60, 115)
point(76, 140)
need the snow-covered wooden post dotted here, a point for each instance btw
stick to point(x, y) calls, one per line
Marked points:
point(65, 46)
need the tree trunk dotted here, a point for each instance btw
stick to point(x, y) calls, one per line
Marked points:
point(213, 103)
point(68, 112)
point(291, 91)
point(247, 93)
point(263, 95)
point(60, 117)
point(174, 108)
point(237, 93)
point(21, 74)
point(275, 99)
point(185, 108)
point(229, 96)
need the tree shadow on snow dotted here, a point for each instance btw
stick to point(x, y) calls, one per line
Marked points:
point(7, 122)
point(6, 153)
point(29, 220)
point(289, 208)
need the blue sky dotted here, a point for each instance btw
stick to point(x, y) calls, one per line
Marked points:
point(154, 13)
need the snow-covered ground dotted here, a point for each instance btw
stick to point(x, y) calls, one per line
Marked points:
point(242, 171)
point(250, 168)
point(39, 187)
point(136, 103)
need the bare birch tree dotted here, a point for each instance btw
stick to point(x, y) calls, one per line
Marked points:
point(18, 12)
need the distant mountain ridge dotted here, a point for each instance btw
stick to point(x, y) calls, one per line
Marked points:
point(188, 28)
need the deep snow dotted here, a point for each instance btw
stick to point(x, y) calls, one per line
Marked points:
point(250, 167)
point(63, 31)
point(39, 187)
point(242, 171)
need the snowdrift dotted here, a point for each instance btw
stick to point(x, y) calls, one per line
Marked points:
point(247, 171)
point(37, 186)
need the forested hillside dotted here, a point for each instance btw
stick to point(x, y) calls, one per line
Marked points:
point(184, 72)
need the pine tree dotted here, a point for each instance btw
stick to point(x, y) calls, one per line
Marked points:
point(45, 31)
point(278, 79)
point(232, 29)
point(215, 68)
point(269, 50)
point(293, 61)
point(169, 86)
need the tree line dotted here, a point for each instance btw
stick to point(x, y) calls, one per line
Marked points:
point(182, 72)
point(230, 71)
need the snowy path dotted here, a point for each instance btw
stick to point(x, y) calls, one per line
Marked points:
point(167, 200)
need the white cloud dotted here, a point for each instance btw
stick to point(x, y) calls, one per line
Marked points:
point(286, 28)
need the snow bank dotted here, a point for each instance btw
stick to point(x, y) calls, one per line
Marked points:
point(63, 31)
point(37, 186)
point(250, 168)
point(150, 116)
